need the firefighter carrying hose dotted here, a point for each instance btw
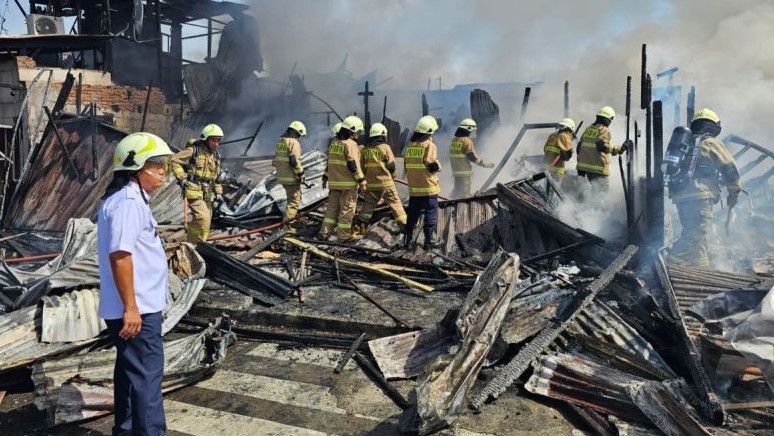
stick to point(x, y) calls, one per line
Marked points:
point(343, 177)
point(595, 149)
point(378, 162)
point(462, 153)
point(696, 165)
point(558, 148)
point(290, 173)
point(197, 169)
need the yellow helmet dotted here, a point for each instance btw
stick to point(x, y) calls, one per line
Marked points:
point(606, 112)
point(706, 114)
point(468, 124)
point(211, 130)
point(353, 124)
point(299, 127)
point(377, 129)
point(135, 149)
point(427, 124)
point(335, 129)
point(568, 123)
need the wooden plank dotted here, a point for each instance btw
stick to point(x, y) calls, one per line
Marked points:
point(406, 354)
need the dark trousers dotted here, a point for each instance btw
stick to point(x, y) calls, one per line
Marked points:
point(427, 205)
point(137, 378)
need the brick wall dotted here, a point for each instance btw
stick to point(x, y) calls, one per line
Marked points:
point(123, 103)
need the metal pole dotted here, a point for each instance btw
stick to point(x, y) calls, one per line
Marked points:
point(525, 103)
point(620, 158)
point(209, 38)
point(566, 98)
point(656, 188)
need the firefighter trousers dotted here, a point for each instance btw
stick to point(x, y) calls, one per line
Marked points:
point(419, 206)
point(461, 187)
point(600, 181)
point(339, 212)
point(390, 196)
point(199, 227)
point(696, 221)
point(293, 194)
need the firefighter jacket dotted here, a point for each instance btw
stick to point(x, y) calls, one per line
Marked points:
point(199, 169)
point(288, 151)
point(378, 162)
point(421, 162)
point(712, 165)
point(339, 173)
point(558, 143)
point(590, 159)
point(462, 153)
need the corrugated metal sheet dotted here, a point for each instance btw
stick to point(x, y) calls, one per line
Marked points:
point(50, 192)
point(71, 317)
point(20, 330)
point(186, 359)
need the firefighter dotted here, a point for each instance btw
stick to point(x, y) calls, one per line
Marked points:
point(462, 153)
point(420, 159)
point(697, 187)
point(558, 148)
point(343, 177)
point(290, 173)
point(595, 149)
point(197, 170)
point(378, 162)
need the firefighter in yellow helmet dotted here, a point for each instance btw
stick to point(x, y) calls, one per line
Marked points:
point(343, 177)
point(378, 162)
point(595, 149)
point(558, 148)
point(420, 159)
point(462, 153)
point(290, 173)
point(197, 169)
point(695, 186)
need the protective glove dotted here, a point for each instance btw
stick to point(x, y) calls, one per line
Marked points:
point(301, 178)
point(488, 165)
point(731, 199)
point(325, 182)
point(627, 145)
point(566, 155)
point(601, 146)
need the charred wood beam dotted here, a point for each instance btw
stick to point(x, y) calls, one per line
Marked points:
point(257, 248)
point(348, 355)
point(516, 367)
point(657, 403)
point(380, 381)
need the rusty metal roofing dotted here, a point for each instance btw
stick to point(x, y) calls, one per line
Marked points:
point(63, 180)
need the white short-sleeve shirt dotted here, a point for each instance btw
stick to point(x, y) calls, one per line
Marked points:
point(125, 223)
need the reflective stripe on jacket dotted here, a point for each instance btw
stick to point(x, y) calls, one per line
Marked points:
point(339, 176)
point(416, 157)
point(590, 159)
point(556, 143)
point(199, 168)
point(714, 163)
point(374, 160)
point(287, 174)
point(459, 149)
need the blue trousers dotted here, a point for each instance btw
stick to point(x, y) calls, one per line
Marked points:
point(137, 378)
point(427, 205)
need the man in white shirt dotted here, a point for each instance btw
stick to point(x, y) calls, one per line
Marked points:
point(133, 283)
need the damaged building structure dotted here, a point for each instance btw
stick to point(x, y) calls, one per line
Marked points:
point(520, 321)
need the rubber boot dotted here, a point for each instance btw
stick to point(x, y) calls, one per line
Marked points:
point(431, 242)
point(408, 241)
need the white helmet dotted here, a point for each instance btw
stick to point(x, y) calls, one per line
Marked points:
point(468, 124)
point(568, 123)
point(378, 129)
point(299, 127)
point(353, 124)
point(427, 124)
point(135, 149)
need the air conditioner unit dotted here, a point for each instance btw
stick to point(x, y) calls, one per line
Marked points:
point(45, 25)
